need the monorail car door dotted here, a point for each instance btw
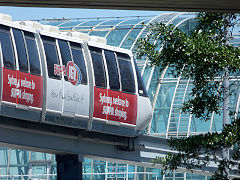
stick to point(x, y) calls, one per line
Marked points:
point(76, 91)
point(54, 93)
point(70, 77)
point(80, 84)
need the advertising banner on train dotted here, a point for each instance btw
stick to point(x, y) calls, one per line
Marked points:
point(115, 106)
point(22, 88)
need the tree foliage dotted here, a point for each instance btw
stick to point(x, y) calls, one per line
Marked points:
point(202, 55)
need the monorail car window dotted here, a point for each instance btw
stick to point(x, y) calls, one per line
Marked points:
point(141, 88)
point(112, 70)
point(7, 49)
point(98, 66)
point(51, 56)
point(65, 54)
point(126, 72)
point(78, 59)
point(21, 50)
point(32, 53)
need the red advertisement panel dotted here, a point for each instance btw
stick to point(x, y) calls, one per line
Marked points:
point(98, 106)
point(22, 88)
point(115, 106)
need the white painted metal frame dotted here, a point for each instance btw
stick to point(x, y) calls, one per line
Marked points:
point(180, 114)
point(170, 112)
point(97, 26)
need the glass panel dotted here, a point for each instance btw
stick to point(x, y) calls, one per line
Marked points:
point(162, 108)
point(217, 122)
point(98, 66)
point(3, 172)
point(98, 33)
point(40, 171)
point(146, 73)
point(32, 54)
point(200, 126)
point(65, 54)
point(7, 50)
point(51, 56)
point(99, 167)
point(154, 83)
point(112, 70)
point(21, 50)
point(140, 169)
point(128, 42)
point(195, 177)
point(116, 36)
point(3, 156)
point(126, 71)
point(78, 59)
point(141, 87)
point(68, 25)
point(87, 166)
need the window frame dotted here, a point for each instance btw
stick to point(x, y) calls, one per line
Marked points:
point(60, 55)
point(52, 41)
point(37, 51)
point(140, 82)
point(25, 48)
point(80, 48)
point(8, 30)
point(103, 65)
point(117, 68)
point(132, 69)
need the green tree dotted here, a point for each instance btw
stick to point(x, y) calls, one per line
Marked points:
point(203, 55)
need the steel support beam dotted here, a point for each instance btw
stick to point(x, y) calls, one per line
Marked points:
point(61, 141)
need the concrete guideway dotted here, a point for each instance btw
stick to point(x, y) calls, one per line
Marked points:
point(157, 5)
point(69, 143)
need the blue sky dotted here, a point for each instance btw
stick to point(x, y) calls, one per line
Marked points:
point(26, 13)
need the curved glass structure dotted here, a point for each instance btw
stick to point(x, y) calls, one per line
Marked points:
point(167, 94)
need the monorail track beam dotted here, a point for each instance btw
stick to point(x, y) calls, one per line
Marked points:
point(77, 143)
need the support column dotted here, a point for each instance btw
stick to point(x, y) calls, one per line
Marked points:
point(69, 167)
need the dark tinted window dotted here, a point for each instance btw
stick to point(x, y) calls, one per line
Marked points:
point(98, 66)
point(51, 56)
point(141, 87)
point(78, 59)
point(65, 53)
point(112, 70)
point(32, 53)
point(126, 72)
point(7, 50)
point(21, 50)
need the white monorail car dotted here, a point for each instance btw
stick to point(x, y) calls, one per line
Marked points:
point(59, 79)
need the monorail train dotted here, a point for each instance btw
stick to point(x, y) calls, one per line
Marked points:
point(69, 80)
